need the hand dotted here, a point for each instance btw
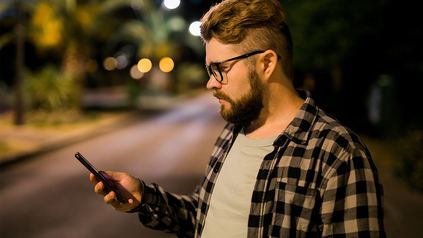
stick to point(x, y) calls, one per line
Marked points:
point(129, 186)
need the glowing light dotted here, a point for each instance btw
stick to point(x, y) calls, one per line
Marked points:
point(194, 28)
point(109, 63)
point(135, 73)
point(121, 62)
point(144, 65)
point(171, 4)
point(166, 64)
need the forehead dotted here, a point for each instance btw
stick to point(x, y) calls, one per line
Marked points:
point(217, 52)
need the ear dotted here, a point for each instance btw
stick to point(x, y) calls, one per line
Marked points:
point(268, 61)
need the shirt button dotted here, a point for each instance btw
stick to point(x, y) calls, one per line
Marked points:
point(215, 170)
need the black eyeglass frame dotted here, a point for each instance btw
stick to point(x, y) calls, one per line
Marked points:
point(211, 72)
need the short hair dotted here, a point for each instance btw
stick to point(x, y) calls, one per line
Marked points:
point(251, 25)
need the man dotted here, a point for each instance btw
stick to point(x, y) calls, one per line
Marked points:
point(282, 167)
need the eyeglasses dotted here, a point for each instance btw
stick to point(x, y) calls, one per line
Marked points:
point(215, 69)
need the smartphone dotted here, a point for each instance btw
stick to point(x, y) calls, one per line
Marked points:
point(100, 177)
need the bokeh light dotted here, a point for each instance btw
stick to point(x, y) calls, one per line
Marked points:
point(135, 73)
point(144, 65)
point(121, 62)
point(166, 64)
point(194, 28)
point(171, 4)
point(109, 63)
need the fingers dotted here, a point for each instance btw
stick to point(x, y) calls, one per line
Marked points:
point(117, 205)
point(93, 179)
point(129, 186)
point(100, 189)
point(110, 198)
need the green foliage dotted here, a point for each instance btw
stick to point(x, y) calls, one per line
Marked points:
point(133, 90)
point(381, 35)
point(409, 151)
point(49, 90)
point(326, 32)
point(153, 32)
point(6, 39)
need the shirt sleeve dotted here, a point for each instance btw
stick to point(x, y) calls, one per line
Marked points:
point(352, 200)
point(168, 212)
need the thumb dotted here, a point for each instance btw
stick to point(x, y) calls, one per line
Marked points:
point(110, 175)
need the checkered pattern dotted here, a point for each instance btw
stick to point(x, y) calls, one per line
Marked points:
point(319, 181)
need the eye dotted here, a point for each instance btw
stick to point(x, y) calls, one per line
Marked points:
point(223, 69)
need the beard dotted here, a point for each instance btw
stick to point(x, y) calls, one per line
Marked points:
point(248, 107)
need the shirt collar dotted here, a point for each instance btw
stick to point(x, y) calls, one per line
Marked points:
point(300, 127)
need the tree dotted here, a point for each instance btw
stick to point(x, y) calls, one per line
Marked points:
point(346, 45)
point(148, 30)
point(75, 34)
point(18, 86)
point(16, 35)
point(62, 28)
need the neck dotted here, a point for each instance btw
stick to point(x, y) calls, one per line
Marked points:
point(279, 110)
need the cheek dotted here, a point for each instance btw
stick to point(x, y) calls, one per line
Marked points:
point(238, 82)
point(240, 88)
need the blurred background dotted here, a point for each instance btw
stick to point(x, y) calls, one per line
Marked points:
point(67, 65)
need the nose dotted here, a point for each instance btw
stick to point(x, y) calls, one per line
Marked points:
point(213, 84)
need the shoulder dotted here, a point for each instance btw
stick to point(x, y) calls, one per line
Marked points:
point(336, 134)
point(341, 149)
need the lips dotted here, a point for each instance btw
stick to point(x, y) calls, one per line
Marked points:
point(221, 96)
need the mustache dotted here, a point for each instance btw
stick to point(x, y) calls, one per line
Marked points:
point(220, 94)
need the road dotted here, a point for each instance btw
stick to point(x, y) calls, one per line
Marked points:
point(51, 195)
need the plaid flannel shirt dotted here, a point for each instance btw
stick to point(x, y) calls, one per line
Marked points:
point(319, 181)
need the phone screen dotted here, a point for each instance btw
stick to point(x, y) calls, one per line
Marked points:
point(100, 177)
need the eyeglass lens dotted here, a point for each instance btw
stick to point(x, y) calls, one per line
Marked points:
point(214, 68)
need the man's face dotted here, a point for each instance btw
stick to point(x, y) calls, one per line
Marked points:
point(245, 109)
point(241, 97)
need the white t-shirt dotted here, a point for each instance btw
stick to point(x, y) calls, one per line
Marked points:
point(231, 197)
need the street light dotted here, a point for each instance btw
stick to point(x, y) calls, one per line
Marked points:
point(166, 64)
point(144, 65)
point(171, 4)
point(194, 28)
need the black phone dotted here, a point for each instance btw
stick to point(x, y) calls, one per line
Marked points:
point(100, 177)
